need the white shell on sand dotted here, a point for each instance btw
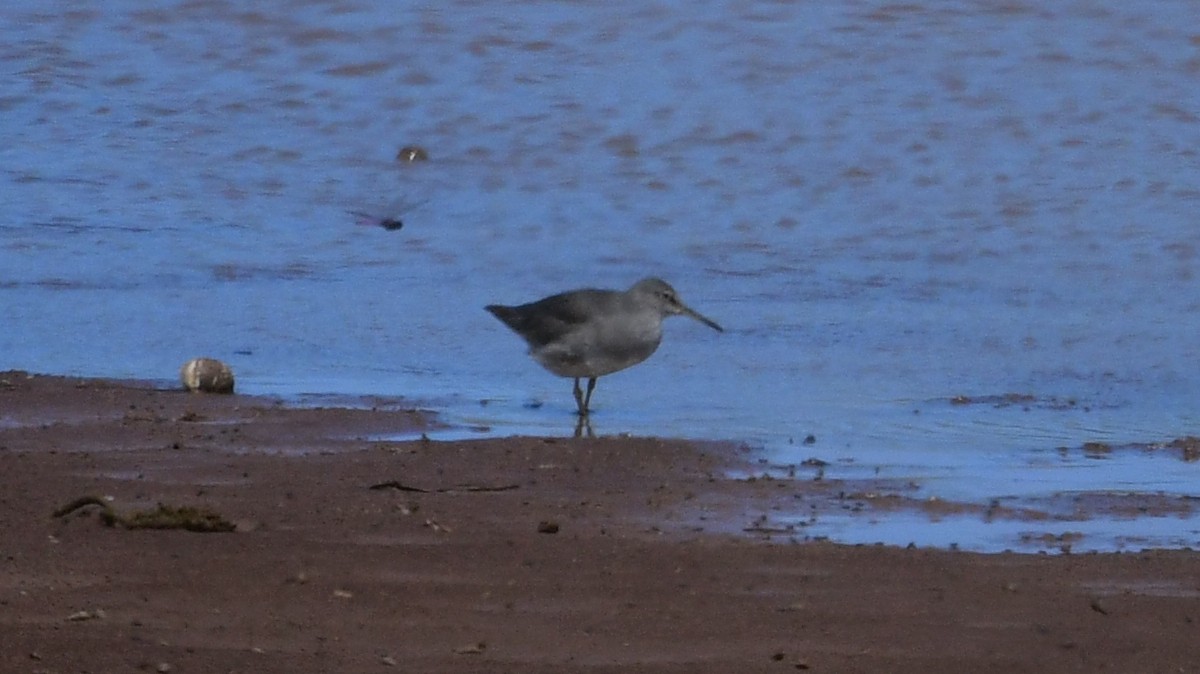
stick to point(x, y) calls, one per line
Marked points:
point(207, 375)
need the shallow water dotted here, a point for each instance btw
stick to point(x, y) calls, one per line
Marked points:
point(886, 205)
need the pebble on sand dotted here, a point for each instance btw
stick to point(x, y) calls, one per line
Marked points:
point(207, 375)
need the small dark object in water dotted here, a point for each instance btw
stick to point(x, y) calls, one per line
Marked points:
point(1190, 446)
point(390, 224)
point(412, 153)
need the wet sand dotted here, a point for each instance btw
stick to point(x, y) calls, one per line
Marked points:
point(352, 554)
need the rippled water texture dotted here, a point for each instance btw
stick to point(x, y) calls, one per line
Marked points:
point(886, 205)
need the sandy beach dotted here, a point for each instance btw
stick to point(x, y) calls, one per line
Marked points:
point(351, 553)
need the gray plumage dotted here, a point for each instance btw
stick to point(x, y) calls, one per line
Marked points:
point(591, 332)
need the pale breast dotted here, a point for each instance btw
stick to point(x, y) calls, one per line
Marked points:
point(602, 346)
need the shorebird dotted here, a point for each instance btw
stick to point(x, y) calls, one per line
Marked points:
point(591, 332)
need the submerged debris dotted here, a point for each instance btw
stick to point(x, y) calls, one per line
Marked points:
point(391, 224)
point(412, 153)
point(162, 517)
point(1024, 400)
point(1190, 446)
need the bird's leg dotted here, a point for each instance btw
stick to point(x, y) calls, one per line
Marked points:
point(584, 423)
point(588, 399)
point(579, 404)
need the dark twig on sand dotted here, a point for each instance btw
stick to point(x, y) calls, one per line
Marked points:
point(394, 484)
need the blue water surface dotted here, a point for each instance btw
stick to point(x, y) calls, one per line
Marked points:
point(886, 205)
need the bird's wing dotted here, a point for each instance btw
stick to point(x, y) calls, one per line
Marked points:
point(553, 318)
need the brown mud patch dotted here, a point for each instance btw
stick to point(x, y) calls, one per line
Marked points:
point(530, 555)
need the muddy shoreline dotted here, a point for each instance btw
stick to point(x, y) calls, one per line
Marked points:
point(517, 554)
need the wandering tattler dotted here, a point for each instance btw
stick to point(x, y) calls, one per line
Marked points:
point(591, 333)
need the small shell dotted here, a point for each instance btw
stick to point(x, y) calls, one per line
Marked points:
point(207, 375)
